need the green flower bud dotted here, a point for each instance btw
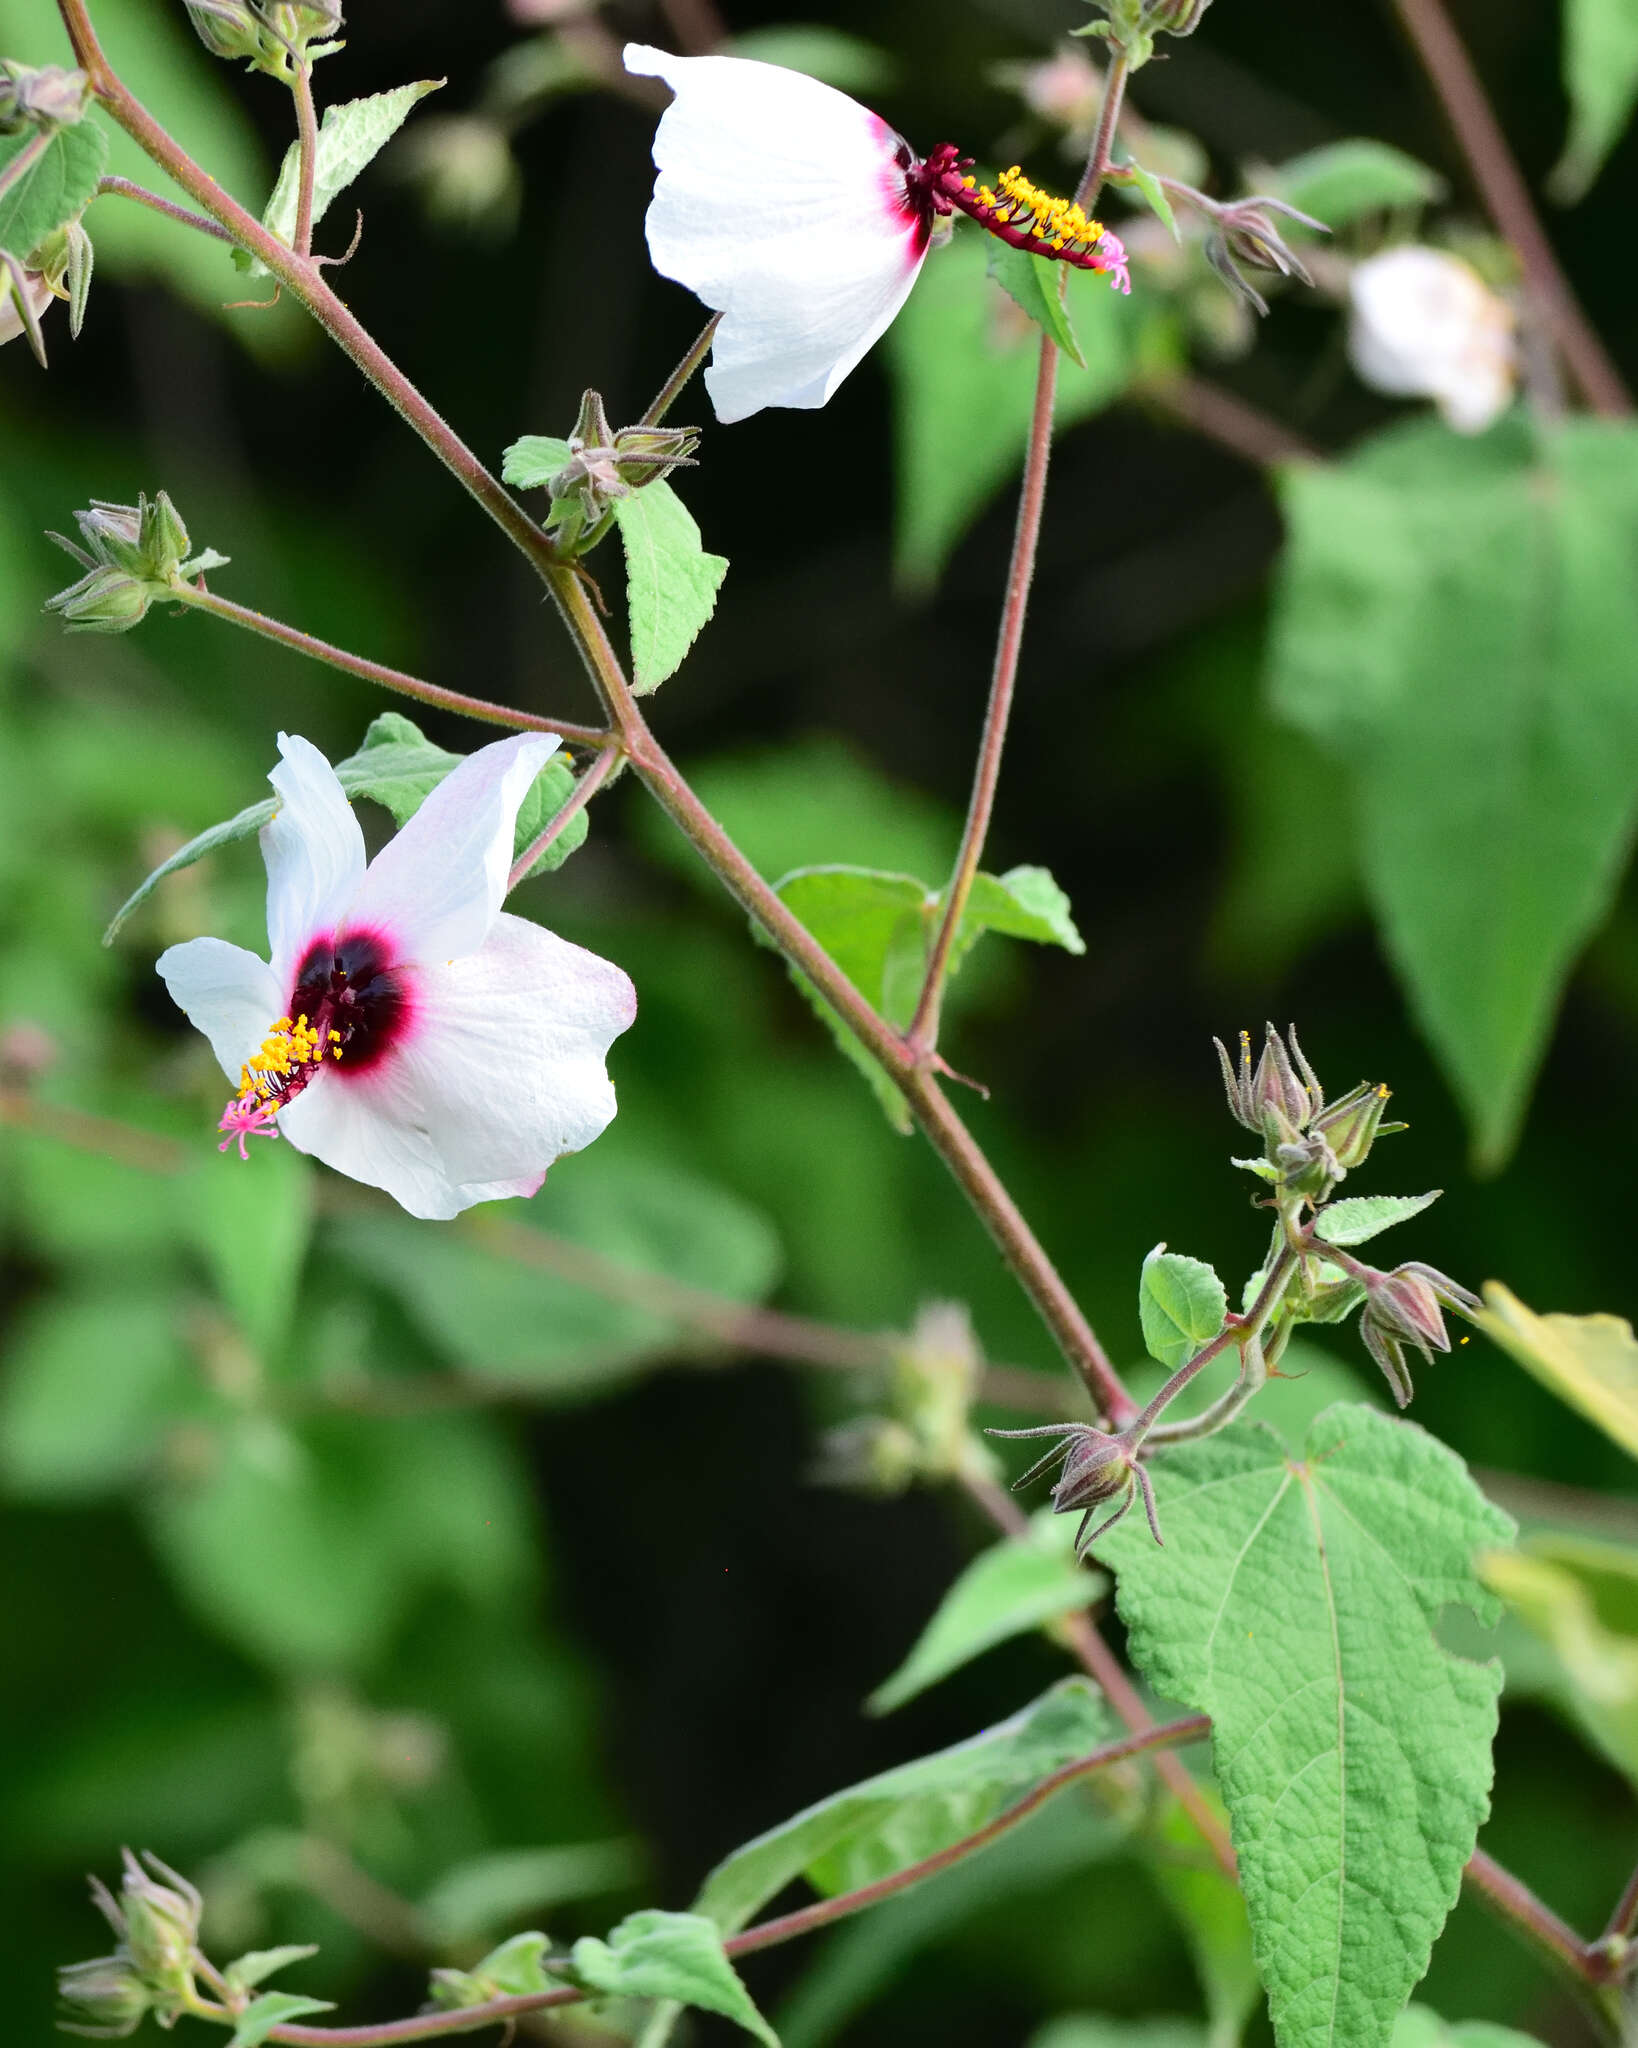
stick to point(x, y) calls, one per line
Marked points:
point(606, 465)
point(1352, 1125)
point(1175, 17)
point(107, 600)
point(39, 96)
point(105, 1999)
point(160, 1921)
point(228, 28)
point(133, 555)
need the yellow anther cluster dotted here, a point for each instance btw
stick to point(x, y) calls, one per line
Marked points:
point(1024, 205)
point(289, 1046)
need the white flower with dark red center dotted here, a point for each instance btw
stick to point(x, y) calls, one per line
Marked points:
point(407, 1031)
point(803, 219)
point(1425, 325)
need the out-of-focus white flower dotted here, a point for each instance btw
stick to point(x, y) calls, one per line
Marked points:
point(803, 219)
point(407, 1031)
point(1425, 325)
point(39, 295)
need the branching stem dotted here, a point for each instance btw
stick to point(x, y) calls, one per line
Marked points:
point(301, 88)
point(923, 1033)
point(672, 389)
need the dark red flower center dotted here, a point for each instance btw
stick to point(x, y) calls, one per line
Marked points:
point(353, 996)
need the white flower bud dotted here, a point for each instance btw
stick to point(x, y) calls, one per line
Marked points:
point(1426, 325)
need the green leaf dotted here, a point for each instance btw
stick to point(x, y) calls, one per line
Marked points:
point(499, 1301)
point(253, 1230)
point(671, 582)
point(1343, 181)
point(1600, 60)
point(271, 2010)
point(1154, 195)
point(511, 1971)
point(399, 767)
point(1363, 1216)
point(880, 929)
point(1092, 2030)
point(829, 55)
point(1457, 626)
point(55, 189)
point(1031, 282)
point(1580, 1598)
point(1294, 1602)
point(963, 360)
point(308, 1553)
point(255, 1967)
point(673, 1956)
point(533, 460)
point(473, 1897)
point(1590, 1362)
point(1013, 1586)
point(351, 135)
point(1418, 2026)
point(94, 1383)
point(875, 1828)
point(1181, 1304)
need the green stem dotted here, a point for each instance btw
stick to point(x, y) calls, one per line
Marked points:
point(672, 389)
point(301, 87)
point(125, 188)
point(199, 599)
point(923, 1032)
point(581, 795)
point(788, 1927)
point(1242, 1330)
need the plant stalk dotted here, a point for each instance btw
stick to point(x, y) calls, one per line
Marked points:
point(301, 88)
point(576, 801)
point(672, 389)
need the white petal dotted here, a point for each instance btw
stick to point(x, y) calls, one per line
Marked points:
point(314, 852)
point(780, 203)
point(35, 289)
point(437, 886)
point(225, 992)
point(1425, 324)
point(501, 1073)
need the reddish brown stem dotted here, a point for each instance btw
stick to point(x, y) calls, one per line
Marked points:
point(301, 87)
point(1507, 199)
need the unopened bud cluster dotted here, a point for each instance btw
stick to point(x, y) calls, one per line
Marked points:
point(1096, 1469)
point(1404, 1307)
point(606, 464)
point(1133, 24)
point(44, 96)
point(271, 35)
point(152, 1969)
point(1243, 235)
point(132, 554)
point(1308, 1144)
point(921, 1433)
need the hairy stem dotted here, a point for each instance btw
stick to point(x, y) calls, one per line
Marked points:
point(1242, 1330)
point(301, 88)
point(1507, 199)
point(672, 389)
point(1589, 1967)
point(932, 1110)
point(202, 600)
point(126, 188)
point(806, 1920)
point(581, 795)
point(923, 1032)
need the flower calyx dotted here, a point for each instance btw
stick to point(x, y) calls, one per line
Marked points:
point(1405, 1307)
point(1242, 235)
point(1096, 1468)
point(606, 464)
point(40, 96)
point(1132, 25)
point(272, 36)
point(156, 1919)
point(1308, 1145)
point(132, 555)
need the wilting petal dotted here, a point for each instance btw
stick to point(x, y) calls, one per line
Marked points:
point(781, 204)
point(225, 992)
point(501, 1075)
point(438, 885)
point(314, 852)
point(1425, 325)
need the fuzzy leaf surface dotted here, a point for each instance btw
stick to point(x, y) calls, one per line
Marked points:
point(258, 1964)
point(1181, 1304)
point(1458, 626)
point(271, 2010)
point(399, 767)
point(1154, 196)
point(1295, 1602)
point(1342, 181)
point(55, 188)
point(1600, 64)
point(1031, 282)
point(351, 135)
point(531, 462)
point(672, 1956)
point(1013, 1586)
point(671, 582)
point(1591, 1362)
point(1363, 1217)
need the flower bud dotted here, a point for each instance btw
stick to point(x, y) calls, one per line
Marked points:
point(159, 1922)
point(105, 1998)
point(871, 1455)
point(606, 465)
point(1096, 1468)
point(1243, 232)
point(1176, 17)
point(1271, 1101)
point(133, 555)
point(1352, 1124)
point(1403, 1307)
point(1425, 324)
point(43, 96)
point(1308, 1167)
point(106, 601)
point(228, 28)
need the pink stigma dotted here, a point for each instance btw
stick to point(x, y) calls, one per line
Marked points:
point(1111, 255)
point(246, 1117)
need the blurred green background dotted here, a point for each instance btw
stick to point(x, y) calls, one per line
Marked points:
point(339, 1554)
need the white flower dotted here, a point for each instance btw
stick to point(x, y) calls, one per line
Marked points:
point(803, 219)
point(38, 293)
point(408, 1032)
point(1425, 325)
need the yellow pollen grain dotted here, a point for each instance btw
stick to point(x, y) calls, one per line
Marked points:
point(1059, 221)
